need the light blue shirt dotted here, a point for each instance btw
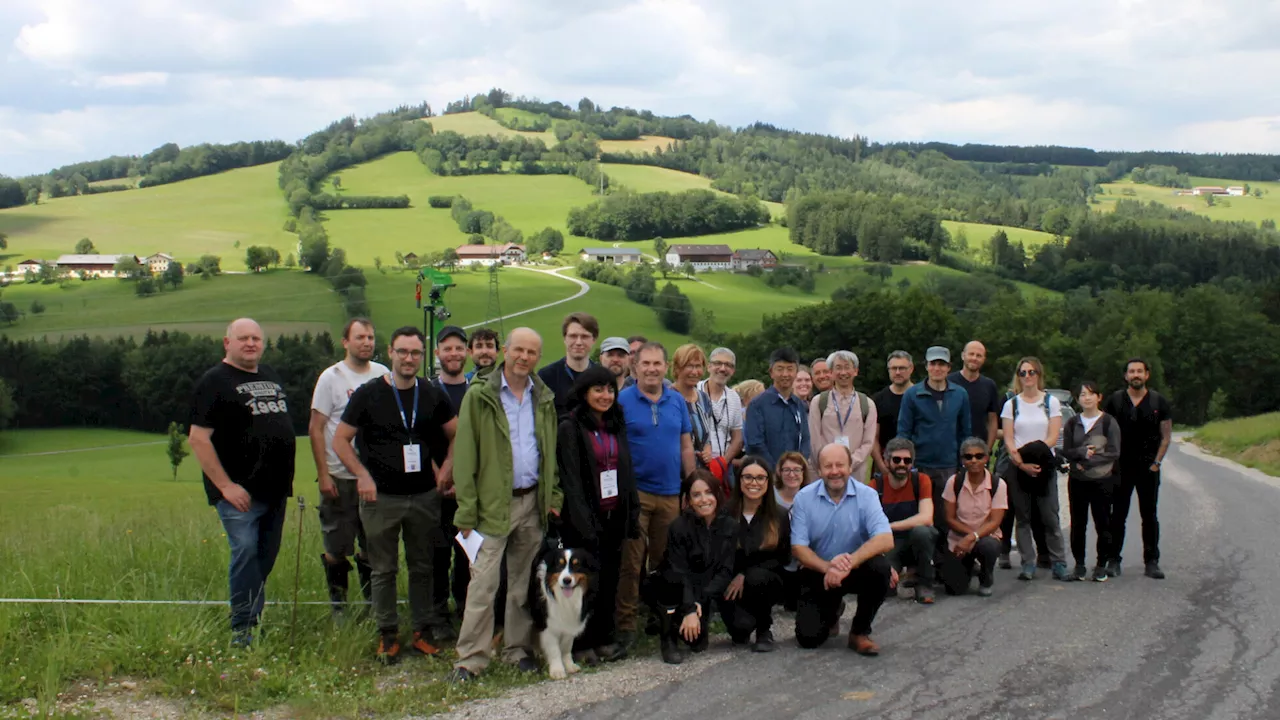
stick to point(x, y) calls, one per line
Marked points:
point(524, 439)
point(831, 529)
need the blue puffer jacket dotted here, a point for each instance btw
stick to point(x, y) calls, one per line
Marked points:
point(936, 433)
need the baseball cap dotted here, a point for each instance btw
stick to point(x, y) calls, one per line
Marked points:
point(615, 343)
point(449, 331)
point(937, 352)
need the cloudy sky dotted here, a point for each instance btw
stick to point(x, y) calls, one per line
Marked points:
point(83, 79)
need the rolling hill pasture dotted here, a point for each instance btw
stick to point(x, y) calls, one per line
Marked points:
point(1248, 209)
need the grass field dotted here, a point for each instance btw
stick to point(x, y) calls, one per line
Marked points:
point(473, 123)
point(284, 301)
point(979, 236)
point(1249, 209)
point(111, 523)
point(207, 215)
point(1252, 441)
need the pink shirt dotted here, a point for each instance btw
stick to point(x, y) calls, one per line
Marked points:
point(975, 504)
point(825, 427)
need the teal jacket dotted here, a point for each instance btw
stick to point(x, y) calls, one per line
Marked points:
point(482, 464)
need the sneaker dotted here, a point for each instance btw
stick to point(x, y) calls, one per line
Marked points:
point(422, 644)
point(1005, 562)
point(764, 642)
point(1100, 574)
point(1080, 573)
point(1028, 572)
point(924, 595)
point(984, 591)
point(1153, 571)
point(1060, 572)
point(1113, 568)
point(388, 649)
point(460, 675)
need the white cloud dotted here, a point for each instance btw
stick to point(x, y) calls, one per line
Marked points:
point(88, 78)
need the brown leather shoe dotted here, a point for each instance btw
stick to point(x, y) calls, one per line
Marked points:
point(863, 645)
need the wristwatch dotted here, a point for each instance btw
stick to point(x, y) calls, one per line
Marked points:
point(976, 536)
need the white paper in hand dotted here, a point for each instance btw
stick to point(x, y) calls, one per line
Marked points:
point(470, 545)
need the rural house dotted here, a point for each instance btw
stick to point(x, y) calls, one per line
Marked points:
point(617, 256)
point(746, 259)
point(91, 265)
point(702, 257)
point(158, 263)
point(1208, 190)
point(30, 264)
point(410, 259)
point(1236, 191)
point(490, 254)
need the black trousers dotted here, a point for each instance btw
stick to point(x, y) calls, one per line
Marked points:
point(450, 565)
point(1147, 484)
point(790, 589)
point(817, 605)
point(608, 553)
point(1090, 497)
point(957, 570)
point(665, 590)
point(753, 610)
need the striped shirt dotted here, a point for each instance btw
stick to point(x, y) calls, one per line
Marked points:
point(724, 417)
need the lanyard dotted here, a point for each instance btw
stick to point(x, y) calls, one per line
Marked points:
point(404, 417)
point(835, 405)
point(609, 444)
point(795, 413)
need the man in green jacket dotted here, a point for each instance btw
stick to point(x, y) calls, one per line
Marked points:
point(504, 471)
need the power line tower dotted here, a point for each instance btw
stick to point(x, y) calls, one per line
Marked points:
point(495, 303)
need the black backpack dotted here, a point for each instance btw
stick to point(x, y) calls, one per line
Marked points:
point(955, 485)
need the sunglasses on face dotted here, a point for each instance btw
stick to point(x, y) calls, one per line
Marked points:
point(1028, 373)
point(899, 461)
point(973, 456)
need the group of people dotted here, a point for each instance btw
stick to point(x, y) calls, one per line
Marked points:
point(694, 496)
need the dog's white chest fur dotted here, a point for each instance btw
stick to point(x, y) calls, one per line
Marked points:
point(565, 617)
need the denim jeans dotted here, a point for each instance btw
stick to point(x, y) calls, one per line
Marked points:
point(254, 537)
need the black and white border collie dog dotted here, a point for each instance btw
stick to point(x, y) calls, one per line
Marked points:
point(561, 590)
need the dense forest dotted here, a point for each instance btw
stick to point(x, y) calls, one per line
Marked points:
point(642, 216)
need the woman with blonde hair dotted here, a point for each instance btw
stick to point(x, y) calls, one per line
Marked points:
point(1032, 421)
point(747, 391)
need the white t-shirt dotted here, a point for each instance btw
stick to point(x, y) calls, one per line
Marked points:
point(333, 389)
point(725, 417)
point(1089, 422)
point(1031, 424)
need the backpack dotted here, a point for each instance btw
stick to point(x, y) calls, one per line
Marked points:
point(955, 485)
point(878, 481)
point(824, 398)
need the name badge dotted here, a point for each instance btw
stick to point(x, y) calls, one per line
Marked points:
point(843, 441)
point(412, 458)
point(608, 484)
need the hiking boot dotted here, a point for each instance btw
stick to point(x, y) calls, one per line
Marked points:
point(1080, 573)
point(1100, 573)
point(1005, 562)
point(422, 644)
point(1060, 572)
point(1028, 572)
point(1153, 571)
point(863, 645)
point(669, 638)
point(764, 641)
point(924, 595)
point(388, 649)
point(1113, 568)
point(984, 591)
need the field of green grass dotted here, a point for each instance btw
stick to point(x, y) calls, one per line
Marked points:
point(979, 236)
point(473, 123)
point(284, 301)
point(207, 215)
point(1249, 208)
point(107, 521)
point(1252, 441)
point(648, 178)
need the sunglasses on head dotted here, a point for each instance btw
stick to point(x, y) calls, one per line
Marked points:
point(1028, 373)
point(973, 456)
point(899, 461)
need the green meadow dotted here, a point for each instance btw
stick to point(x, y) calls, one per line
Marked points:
point(1249, 208)
point(1252, 441)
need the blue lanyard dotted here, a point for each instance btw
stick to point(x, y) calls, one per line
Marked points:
point(835, 405)
point(609, 445)
point(404, 417)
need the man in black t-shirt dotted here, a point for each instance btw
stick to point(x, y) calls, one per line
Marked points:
point(580, 331)
point(450, 563)
point(985, 398)
point(1146, 427)
point(402, 425)
point(888, 402)
point(244, 440)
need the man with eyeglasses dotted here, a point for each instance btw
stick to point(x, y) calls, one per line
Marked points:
point(888, 403)
point(935, 416)
point(405, 427)
point(580, 331)
point(660, 434)
point(778, 421)
point(340, 525)
point(906, 495)
point(976, 503)
point(726, 407)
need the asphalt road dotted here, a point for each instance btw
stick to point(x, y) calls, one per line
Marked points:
point(1200, 645)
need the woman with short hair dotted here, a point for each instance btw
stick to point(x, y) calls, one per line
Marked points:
point(1091, 442)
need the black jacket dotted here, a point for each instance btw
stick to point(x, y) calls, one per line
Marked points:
point(1104, 438)
point(751, 536)
point(579, 481)
point(702, 556)
point(560, 379)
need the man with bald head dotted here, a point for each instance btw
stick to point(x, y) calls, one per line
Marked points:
point(242, 436)
point(985, 398)
point(839, 535)
point(504, 474)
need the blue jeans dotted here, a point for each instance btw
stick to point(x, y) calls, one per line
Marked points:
point(254, 537)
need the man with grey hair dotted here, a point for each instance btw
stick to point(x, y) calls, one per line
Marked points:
point(844, 416)
point(889, 403)
point(725, 413)
point(906, 494)
point(243, 438)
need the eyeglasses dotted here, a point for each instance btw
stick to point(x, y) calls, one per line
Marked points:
point(973, 456)
point(1028, 373)
point(899, 461)
point(406, 353)
point(755, 478)
point(722, 364)
point(792, 471)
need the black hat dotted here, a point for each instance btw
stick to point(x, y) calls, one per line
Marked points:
point(449, 331)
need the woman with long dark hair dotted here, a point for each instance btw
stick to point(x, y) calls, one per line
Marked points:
point(601, 507)
point(764, 549)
